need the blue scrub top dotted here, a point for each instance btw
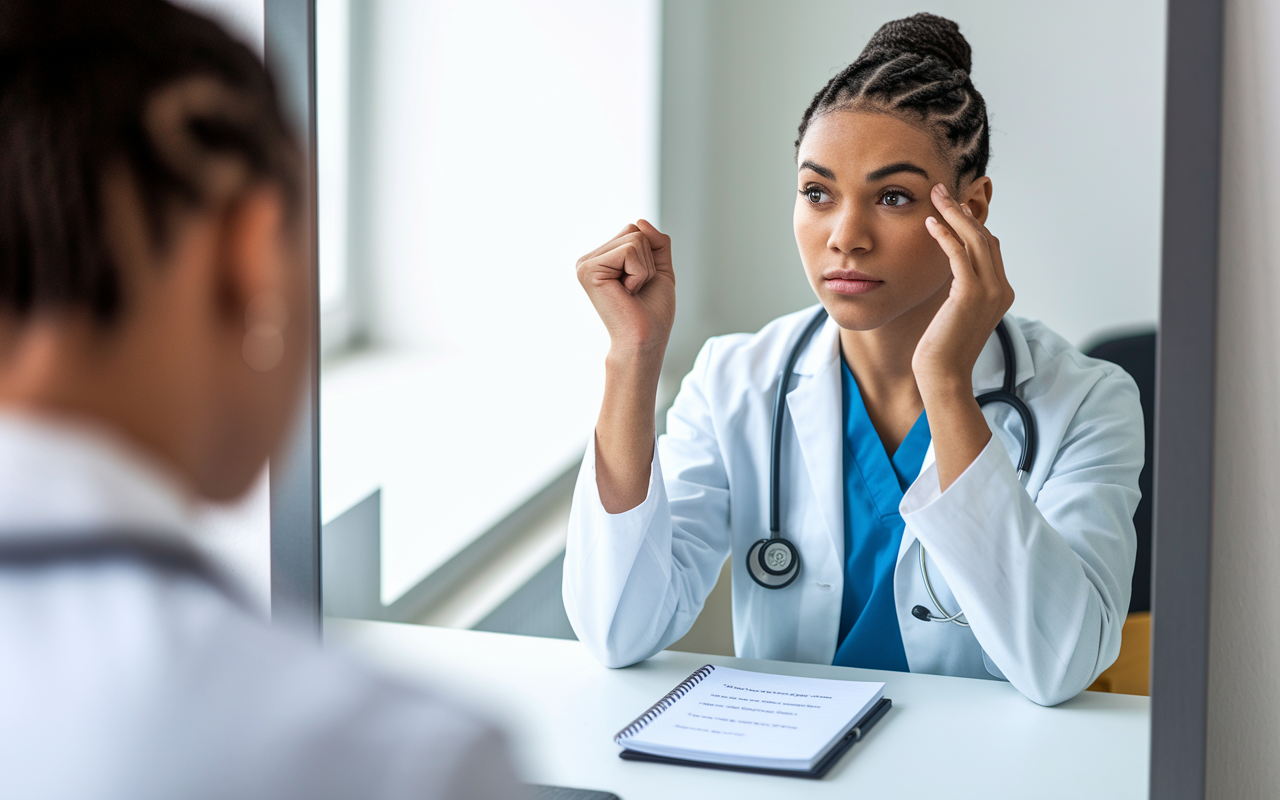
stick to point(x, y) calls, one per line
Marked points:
point(874, 484)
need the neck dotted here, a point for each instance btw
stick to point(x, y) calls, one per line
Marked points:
point(881, 358)
point(69, 368)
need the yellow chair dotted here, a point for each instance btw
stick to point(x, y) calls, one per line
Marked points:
point(1131, 674)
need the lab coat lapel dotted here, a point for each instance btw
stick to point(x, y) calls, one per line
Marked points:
point(814, 408)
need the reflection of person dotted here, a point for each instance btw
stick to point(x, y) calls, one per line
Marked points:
point(153, 325)
point(885, 447)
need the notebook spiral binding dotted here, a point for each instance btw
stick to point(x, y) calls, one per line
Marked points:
point(666, 702)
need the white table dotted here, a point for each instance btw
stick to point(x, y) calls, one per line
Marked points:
point(944, 737)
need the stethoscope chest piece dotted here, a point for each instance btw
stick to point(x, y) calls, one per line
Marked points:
point(773, 563)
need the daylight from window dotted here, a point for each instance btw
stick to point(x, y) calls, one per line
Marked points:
point(463, 364)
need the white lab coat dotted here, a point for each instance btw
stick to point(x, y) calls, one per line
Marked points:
point(120, 679)
point(1042, 569)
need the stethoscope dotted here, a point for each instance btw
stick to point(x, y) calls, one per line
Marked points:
point(775, 562)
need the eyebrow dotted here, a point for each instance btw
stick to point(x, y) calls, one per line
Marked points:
point(893, 169)
point(821, 170)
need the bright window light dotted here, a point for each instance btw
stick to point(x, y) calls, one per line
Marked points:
point(503, 139)
point(333, 71)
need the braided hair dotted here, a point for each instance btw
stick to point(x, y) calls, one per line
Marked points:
point(917, 68)
point(88, 87)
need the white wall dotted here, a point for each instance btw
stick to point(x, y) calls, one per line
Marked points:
point(1244, 638)
point(1075, 93)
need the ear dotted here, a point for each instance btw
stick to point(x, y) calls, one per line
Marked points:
point(250, 264)
point(978, 197)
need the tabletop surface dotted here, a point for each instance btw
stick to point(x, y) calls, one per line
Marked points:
point(944, 737)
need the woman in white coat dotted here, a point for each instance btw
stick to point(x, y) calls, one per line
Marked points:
point(884, 448)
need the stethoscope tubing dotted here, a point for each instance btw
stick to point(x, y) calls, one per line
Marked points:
point(933, 596)
point(779, 413)
point(1005, 394)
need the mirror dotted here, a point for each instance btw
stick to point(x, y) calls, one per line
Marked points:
point(470, 153)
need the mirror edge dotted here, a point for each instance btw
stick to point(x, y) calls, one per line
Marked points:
point(1186, 366)
point(289, 45)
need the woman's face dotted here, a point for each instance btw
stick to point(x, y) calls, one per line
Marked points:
point(864, 182)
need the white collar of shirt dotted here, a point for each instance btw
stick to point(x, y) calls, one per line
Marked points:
point(62, 476)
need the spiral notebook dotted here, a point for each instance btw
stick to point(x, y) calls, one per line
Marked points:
point(755, 722)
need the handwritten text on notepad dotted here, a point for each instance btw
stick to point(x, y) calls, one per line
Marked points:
point(769, 702)
point(769, 691)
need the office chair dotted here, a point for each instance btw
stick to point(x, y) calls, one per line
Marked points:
point(1130, 674)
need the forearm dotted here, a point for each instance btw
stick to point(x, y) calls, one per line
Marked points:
point(634, 582)
point(1045, 597)
point(618, 604)
point(959, 430)
point(625, 428)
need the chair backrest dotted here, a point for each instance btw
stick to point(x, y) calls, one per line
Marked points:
point(1136, 355)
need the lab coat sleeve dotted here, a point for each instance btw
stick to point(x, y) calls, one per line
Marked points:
point(635, 582)
point(1045, 585)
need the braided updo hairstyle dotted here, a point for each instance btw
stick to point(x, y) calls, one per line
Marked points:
point(88, 87)
point(916, 68)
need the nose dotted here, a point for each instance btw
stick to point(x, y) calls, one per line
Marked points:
point(851, 233)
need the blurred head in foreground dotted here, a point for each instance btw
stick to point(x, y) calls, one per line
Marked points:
point(152, 235)
point(153, 324)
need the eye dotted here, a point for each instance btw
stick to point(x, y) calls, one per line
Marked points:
point(815, 195)
point(895, 199)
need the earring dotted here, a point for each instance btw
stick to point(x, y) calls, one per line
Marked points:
point(265, 319)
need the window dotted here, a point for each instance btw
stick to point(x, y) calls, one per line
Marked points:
point(469, 153)
point(334, 124)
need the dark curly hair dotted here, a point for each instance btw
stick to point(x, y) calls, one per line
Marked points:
point(918, 68)
point(87, 87)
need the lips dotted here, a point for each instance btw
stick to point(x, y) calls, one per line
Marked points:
point(850, 281)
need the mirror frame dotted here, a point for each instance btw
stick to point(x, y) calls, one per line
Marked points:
point(1183, 502)
point(294, 475)
point(1185, 371)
